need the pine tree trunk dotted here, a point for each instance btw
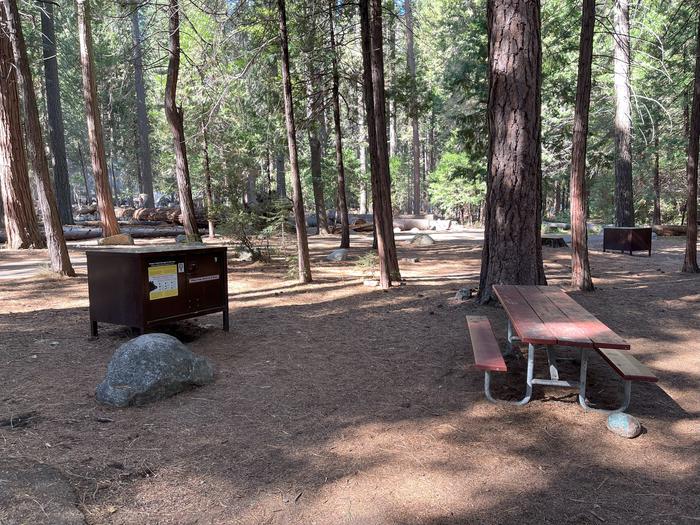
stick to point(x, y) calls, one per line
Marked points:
point(105, 206)
point(624, 203)
point(690, 263)
point(207, 181)
point(58, 251)
point(342, 198)
point(373, 67)
point(54, 111)
point(175, 118)
point(362, 154)
point(83, 171)
point(656, 219)
point(280, 176)
point(413, 109)
point(297, 197)
point(313, 122)
point(143, 135)
point(512, 252)
point(580, 267)
point(21, 223)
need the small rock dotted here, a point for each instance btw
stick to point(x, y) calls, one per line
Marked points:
point(411, 260)
point(422, 239)
point(116, 240)
point(397, 230)
point(624, 425)
point(151, 367)
point(370, 282)
point(338, 255)
point(464, 293)
point(182, 238)
point(414, 230)
point(245, 255)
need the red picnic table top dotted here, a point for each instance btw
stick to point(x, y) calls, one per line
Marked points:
point(545, 315)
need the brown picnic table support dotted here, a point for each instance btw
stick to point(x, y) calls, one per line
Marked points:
point(543, 317)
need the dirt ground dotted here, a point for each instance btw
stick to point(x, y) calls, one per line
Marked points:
point(336, 403)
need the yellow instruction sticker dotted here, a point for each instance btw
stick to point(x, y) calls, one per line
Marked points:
point(162, 281)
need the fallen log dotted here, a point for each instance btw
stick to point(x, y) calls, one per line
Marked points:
point(80, 233)
point(669, 230)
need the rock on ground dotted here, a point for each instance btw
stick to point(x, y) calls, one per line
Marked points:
point(340, 254)
point(422, 239)
point(151, 367)
point(36, 493)
point(624, 425)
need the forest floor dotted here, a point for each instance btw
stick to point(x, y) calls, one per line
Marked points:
point(338, 403)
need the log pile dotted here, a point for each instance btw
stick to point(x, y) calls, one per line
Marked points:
point(167, 215)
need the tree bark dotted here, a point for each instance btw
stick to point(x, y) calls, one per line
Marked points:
point(297, 197)
point(690, 263)
point(373, 71)
point(624, 203)
point(342, 197)
point(207, 181)
point(362, 154)
point(21, 223)
point(144, 143)
point(413, 107)
point(175, 118)
point(280, 176)
point(54, 111)
point(512, 252)
point(580, 267)
point(58, 251)
point(94, 123)
point(656, 218)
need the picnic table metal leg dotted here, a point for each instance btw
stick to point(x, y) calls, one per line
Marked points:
point(582, 388)
point(552, 360)
point(528, 381)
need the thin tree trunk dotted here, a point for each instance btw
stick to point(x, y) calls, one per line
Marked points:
point(175, 119)
point(58, 251)
point(144, 143)
point(21, 223)
point(362, 154)
point(373, 67)
point(580, 267)
point(413, 109)
point(83, 171)
point(624, 203)
point(207, 181)
point(656, 219)
point(280, 176)
point(690, 263)
point(94, 123)
point(297, 197)
point(342, 198)
point(54, 111)
point(512, 252)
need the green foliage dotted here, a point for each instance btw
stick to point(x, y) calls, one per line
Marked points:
point(368, 264)
point(457, 183)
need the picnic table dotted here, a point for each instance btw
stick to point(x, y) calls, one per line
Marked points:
point(545, 317)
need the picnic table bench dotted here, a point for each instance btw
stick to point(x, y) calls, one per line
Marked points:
point(544, 316)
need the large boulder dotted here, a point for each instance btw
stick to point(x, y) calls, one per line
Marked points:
point(151, 367)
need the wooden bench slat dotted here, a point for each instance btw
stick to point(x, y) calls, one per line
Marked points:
point(595, 330)
point(527, 324)
point(487, 353)
point(627, 366)
point(567, 332)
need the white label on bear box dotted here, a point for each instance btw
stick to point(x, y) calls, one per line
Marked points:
point(204, 278)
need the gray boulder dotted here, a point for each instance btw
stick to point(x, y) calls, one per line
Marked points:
point(422, 239)
point(151, 367)
point(340, 254)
